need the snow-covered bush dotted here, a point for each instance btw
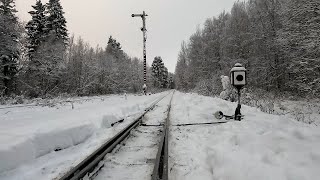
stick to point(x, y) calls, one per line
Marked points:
point(261, 99)
point(302, 110)
point(12, 100)
point(208, 87)
point(228, 92)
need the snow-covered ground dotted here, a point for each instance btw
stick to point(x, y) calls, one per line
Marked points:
point(42, 142)
point(307, 111)
point(262, 146)
point(135, 159)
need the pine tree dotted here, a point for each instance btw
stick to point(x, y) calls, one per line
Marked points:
point(158, 72)
point(56, 22)
point(114, 48)
point(47, 46)
point(165, 76)
point(171, 83)
point(36, 30)
point(47, 67)
point(9, 51)
point(7, 8)
point(120, 65)
point(47, 38)
point(36, 34)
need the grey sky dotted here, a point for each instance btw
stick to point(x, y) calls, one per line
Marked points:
point(168, 24)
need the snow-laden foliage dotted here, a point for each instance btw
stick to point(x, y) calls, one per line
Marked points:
point(225, 82)
point(227, 89)
point(56, 22)
point(36, 27)
point(9, 50)
point(160, 73)
point(300, 41)
point(47, 36)
point(100, 71)
point(40, 60)
point(276, 40)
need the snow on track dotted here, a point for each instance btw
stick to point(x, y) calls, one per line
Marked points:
point(157, 117)
point(193, 108)
point(262, 146)
point(135, 158)
point(30, 135)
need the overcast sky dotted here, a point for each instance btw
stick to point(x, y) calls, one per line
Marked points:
point(168, 24)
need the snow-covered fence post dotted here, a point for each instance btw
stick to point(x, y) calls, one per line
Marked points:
point(238, 80)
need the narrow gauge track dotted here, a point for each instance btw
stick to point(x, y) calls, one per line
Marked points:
point(89, 167)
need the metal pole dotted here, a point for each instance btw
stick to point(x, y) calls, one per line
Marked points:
point(239, 96)
point(237, 114)
point(144, 30)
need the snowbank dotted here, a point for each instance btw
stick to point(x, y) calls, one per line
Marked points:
point(42, 143)
point(262, 146)
point(31, 133)
point(130, 110)
point(45, 143)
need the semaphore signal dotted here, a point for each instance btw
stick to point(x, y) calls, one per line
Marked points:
point(144, 30)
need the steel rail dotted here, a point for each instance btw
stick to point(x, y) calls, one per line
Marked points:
point(160, 170)
point(199, 124)
point(88, 164)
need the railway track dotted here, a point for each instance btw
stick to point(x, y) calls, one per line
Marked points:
point(160, 170)
point(152, 137)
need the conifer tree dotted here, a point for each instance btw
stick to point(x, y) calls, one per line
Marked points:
point(165, 75)
point(114, 48)
point(36, 30)
point(48, 39)
point(9, 51)
point(158, 72)
point(119, 64)
point(56, 22)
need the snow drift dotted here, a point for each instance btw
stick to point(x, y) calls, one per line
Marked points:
point(43, 143)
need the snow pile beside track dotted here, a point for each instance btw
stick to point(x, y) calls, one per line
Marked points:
point(29, 133)
point(43, 143)
point(262, 146)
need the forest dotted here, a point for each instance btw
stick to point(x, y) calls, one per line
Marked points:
point(276, 40)
point(39, 59)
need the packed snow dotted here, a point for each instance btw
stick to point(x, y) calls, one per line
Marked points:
point(42, 142)
point(261, 146)
point(135, 158)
